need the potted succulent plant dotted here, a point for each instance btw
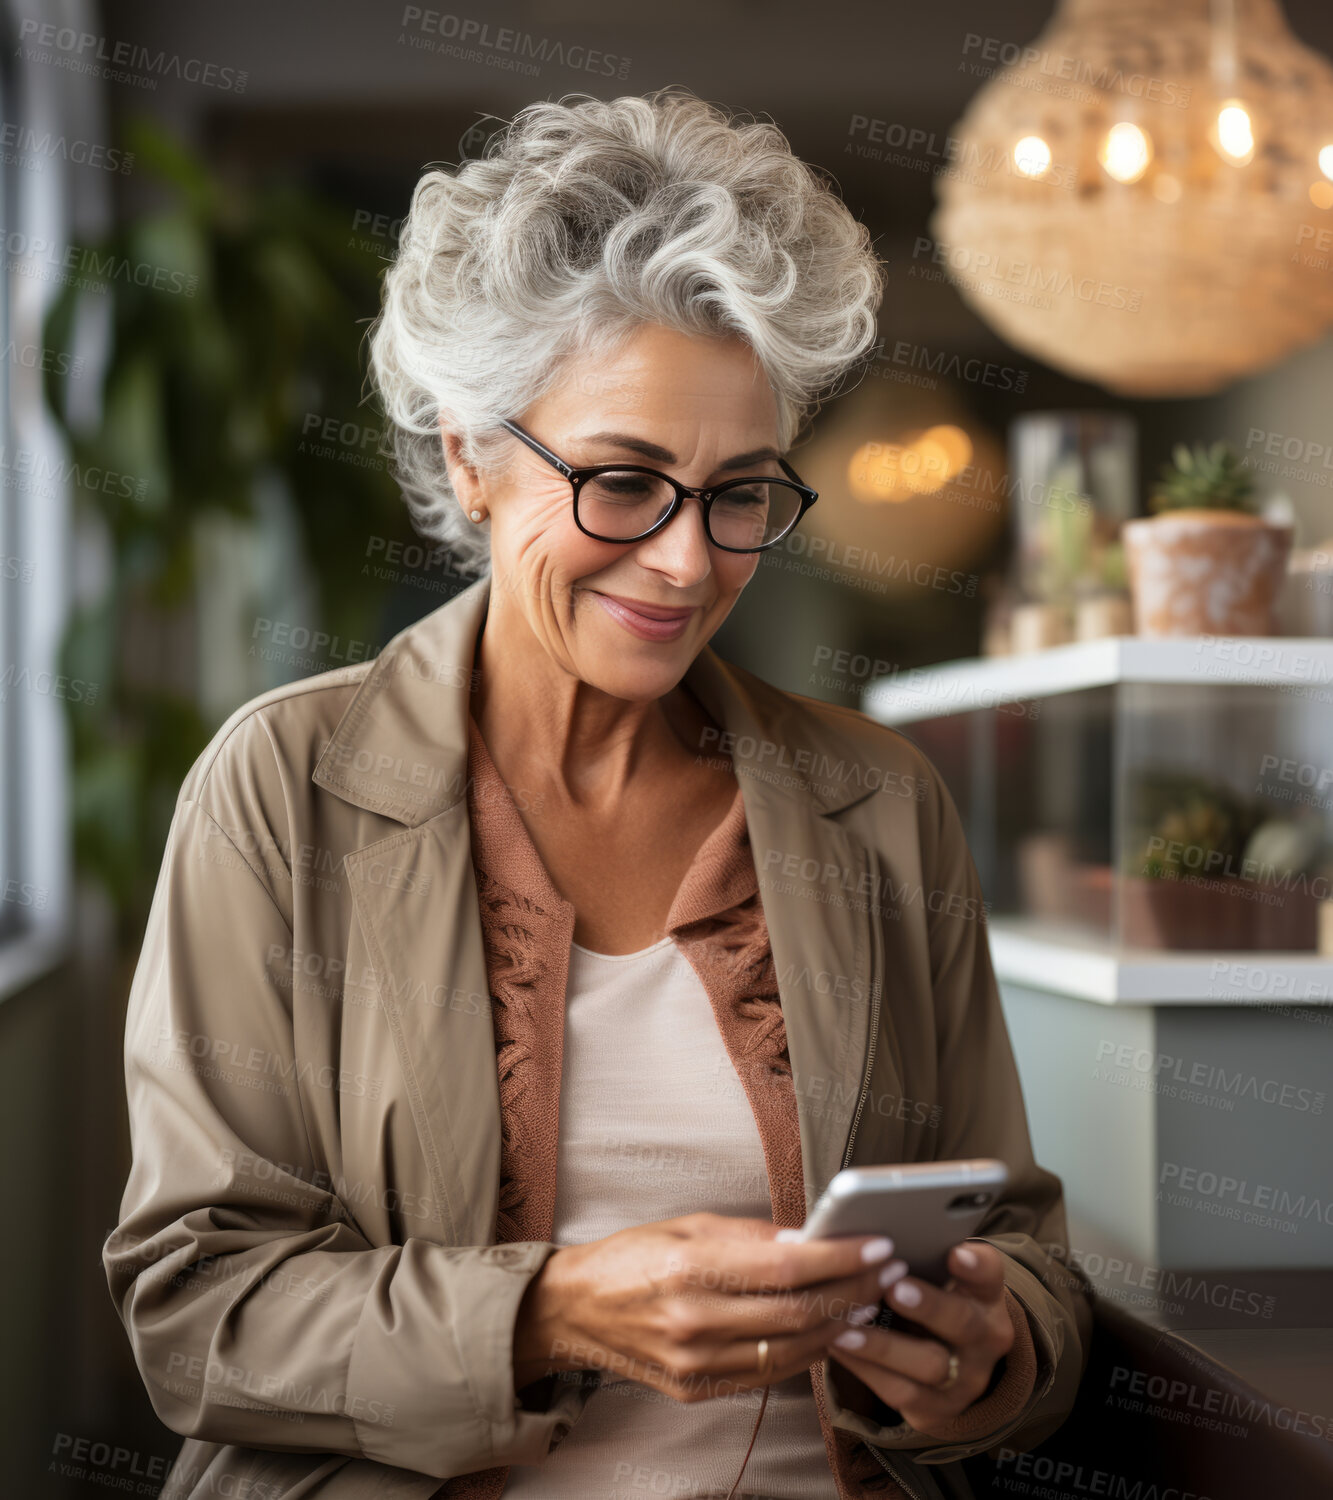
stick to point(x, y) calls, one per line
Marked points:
point(1207, 868)
point(1205, 564)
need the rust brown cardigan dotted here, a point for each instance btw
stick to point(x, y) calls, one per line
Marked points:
point(718, 923)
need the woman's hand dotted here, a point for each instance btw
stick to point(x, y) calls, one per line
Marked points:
point(967, 1316)
point(680, 1305)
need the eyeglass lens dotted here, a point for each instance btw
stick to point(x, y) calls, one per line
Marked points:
point(619, 505)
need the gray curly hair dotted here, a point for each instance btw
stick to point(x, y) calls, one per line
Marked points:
point(581, 222)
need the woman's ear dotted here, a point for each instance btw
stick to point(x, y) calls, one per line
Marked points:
point(463, 477)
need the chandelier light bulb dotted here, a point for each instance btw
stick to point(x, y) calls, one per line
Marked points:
point(1126, 152)
point(1235, 133)
point(1032, 157)
point(1326, 160)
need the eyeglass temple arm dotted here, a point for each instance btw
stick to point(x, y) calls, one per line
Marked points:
point(811, 495)
point(539, 448)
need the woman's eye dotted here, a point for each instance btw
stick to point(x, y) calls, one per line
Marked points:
point(622, 487)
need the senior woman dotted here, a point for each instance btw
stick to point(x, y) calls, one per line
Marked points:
point(506, 1001)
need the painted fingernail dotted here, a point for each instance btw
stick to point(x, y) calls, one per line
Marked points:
point(907, 1294)
point(879, 1249)
point(866, 1313)
point(788, 1236)
point(968, 1257)
point(892, 1272)
point(852, 1339)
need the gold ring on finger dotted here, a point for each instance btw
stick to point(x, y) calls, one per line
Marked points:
point(763, 1356)
point(951, 1379)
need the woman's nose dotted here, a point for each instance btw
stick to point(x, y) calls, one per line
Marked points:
point(681, 546)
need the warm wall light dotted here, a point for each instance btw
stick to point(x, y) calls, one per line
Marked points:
point(1234, 134)
point(949, 451)
point(1326, 161)
point(1125, 152)
point(1032, 156)
point(921, 464)
point(878, 531)
point(875, 472)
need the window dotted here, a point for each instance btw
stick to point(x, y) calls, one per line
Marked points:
point(38, 194)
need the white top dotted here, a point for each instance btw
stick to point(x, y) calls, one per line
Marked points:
point(654, 1123)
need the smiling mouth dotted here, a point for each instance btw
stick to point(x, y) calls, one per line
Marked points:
point(651, 611)
point(650, 622)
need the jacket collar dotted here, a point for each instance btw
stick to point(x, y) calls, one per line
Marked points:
point(401, 746)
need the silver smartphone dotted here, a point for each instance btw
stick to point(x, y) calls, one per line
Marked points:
point(925, 1208)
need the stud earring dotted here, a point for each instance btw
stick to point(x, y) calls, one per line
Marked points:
point(476, 515)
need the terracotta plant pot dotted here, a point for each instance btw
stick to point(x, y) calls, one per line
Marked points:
point(1205, 572)
point(1220, 913)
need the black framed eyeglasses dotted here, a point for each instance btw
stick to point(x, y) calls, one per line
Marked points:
point(628, 502)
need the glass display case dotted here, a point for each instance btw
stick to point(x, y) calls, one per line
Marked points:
point(1149, 795)
point(1151, 824)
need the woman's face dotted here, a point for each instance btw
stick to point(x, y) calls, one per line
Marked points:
point(700, 404)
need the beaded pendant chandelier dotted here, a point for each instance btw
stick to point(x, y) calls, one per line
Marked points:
point(1143, 196)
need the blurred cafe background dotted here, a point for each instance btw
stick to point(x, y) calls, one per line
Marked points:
point(1075, 538)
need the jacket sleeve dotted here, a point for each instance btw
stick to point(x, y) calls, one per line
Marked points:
point(982, 1115)
point(258, 1313)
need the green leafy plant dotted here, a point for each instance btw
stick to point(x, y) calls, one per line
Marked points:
point(1206, 478)
point(251, 321)
point(1179, 822)
point(1111, 571)
point(1076, 549)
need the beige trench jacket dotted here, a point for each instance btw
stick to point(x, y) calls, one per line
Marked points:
point(305, 1262)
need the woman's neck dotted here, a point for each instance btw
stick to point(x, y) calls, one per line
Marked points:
point(548, 731)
